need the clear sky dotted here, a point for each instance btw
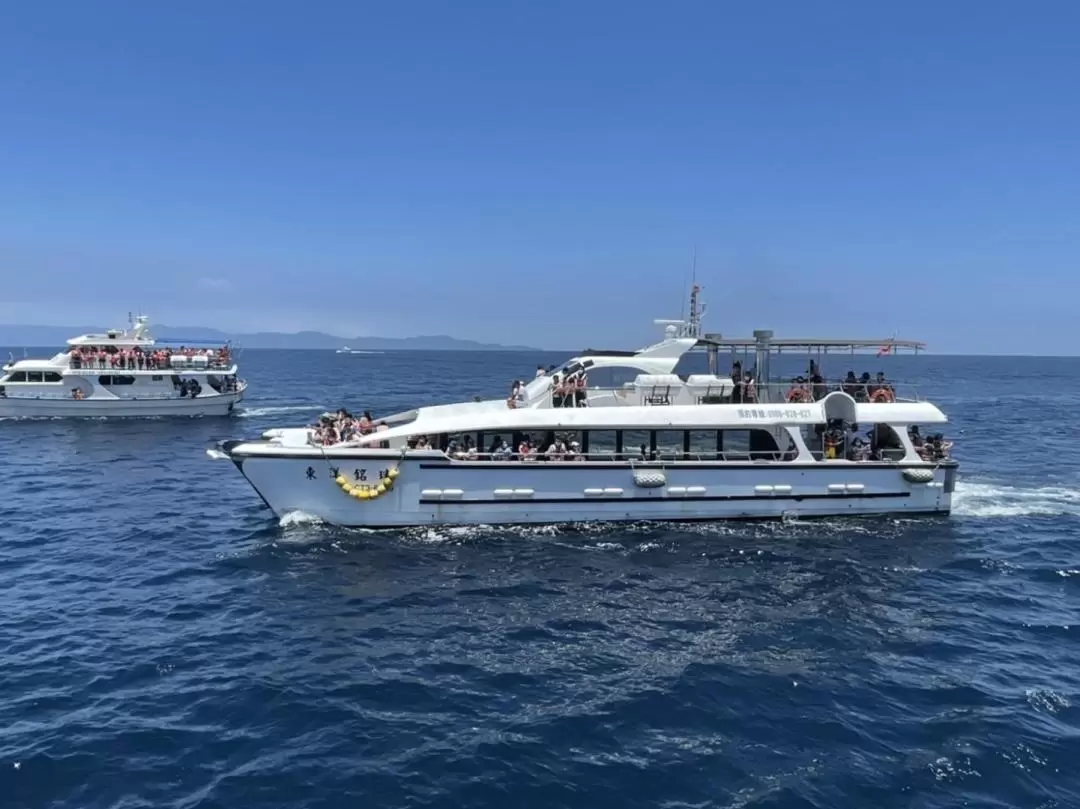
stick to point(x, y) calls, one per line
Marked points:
point(540, 172)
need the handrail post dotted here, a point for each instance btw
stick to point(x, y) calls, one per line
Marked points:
point(762, 356)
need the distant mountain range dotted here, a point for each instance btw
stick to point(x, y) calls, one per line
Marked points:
point(58, 335)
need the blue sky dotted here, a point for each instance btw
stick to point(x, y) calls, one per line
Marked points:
point(541, 172)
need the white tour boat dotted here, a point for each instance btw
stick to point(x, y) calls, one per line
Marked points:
point(122, 373)
point(648, 445)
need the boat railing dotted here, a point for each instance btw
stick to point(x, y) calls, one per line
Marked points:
point(726, 392)
point(184, 364)
point(657, 458)
point(141, 397)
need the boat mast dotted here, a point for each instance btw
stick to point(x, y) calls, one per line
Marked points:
point(697, 309)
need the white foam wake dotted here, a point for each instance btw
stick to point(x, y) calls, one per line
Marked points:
point(298, 518)
point(254, 412)
point(973, 499)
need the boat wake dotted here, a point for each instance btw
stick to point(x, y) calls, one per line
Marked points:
point(296, 519)
point(973, 499)
point(255, 412)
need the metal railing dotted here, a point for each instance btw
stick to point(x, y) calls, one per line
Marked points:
point(142, 397)
point(770, 393)
point(155, 368)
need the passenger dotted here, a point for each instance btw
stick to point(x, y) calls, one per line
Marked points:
point(939, 447)
point(555, 451)
point(574, 453)
point(819, 390)
point(581, 392)
point(503, 452)
point(863, 391)
point(749, 388)
point(798, 392)
point(540, 371)
point(850, 385)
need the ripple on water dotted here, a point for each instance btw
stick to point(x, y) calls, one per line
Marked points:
point(168, 643)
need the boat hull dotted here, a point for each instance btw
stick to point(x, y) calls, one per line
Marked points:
point(486, 493)
point(94, 408)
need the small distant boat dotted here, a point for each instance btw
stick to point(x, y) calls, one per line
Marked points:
point(347, 350)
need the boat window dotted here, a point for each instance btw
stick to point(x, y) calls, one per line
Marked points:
point(748, 445)
point(52, 376)
point(18, 376)
point(669, 444)
point(614, 376)
point(703, 444)
point(638, 443)
point(157, 378)
point(885, 443)
point(116, 380)
point(35, 376)
point(602, 445)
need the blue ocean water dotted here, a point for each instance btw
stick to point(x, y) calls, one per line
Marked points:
point(166, 642)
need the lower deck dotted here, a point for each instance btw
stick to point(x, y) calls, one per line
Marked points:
point(388, 489)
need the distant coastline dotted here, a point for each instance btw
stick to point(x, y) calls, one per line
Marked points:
point(37, 336)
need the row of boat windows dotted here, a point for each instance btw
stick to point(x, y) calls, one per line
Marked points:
point(52, 376)
point(880, 442)
point(605, 444)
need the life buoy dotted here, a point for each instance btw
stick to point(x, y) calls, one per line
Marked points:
point(882, 395)
point(798, 395)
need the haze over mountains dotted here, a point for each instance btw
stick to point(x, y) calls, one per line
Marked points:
point(34, 336)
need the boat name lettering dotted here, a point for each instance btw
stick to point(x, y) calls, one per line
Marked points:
point(774, 413)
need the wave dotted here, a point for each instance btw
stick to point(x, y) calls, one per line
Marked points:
point(974, 499)
point(299, 518)
point(255, 412)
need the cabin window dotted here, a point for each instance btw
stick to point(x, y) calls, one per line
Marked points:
point(18, 376)
point(747, 445)
point(493, 445)
point(638, 443)
point(603, 444)
point(157, 378)
point(615, 376)
point(885, 443)
point(116, 379)
point(669, 445)
point(702, 444)
point(35, 376)
point(52, 376)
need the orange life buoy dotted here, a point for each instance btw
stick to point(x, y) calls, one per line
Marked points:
point(798, 395)
point(882, 395)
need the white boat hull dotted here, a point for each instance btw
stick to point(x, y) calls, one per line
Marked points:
point(428, 492)
point(93, 408)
